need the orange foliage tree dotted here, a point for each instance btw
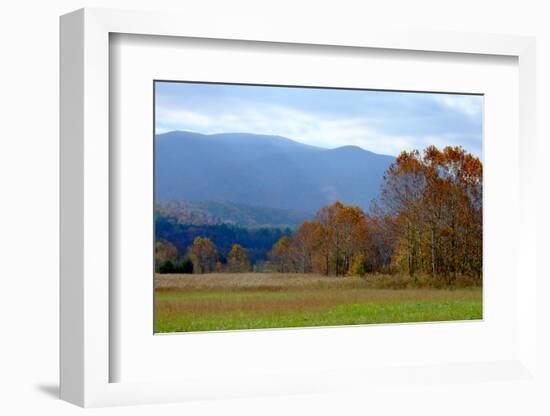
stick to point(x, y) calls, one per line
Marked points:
point(203, 254)
point(433, 205)
point(165, 251)
point(281, 255)
point(428, 219)
point(329, 244)
point(237, 259)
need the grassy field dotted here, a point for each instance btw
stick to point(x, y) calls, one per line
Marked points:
point(224, 301)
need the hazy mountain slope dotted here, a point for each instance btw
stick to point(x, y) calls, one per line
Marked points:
point(264, 171)
point(225, 212)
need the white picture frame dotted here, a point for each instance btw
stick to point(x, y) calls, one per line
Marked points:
point(86, 355)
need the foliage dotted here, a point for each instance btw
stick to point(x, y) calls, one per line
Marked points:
point(164, 252)
point(237, 259)
point(167, 267)
point(327, 245)
point(431, 208)
point(358, 267)
point(281, 255)
point(231, 213)
point(257, 241)
point(203, 254)
point(185, 267)
point(426, 221)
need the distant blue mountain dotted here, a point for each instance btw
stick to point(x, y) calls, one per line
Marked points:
point(264, 171)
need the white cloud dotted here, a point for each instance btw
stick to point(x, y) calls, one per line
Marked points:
point(170, 116)
point(160, 130)
point(327, 131)
point(470, 105)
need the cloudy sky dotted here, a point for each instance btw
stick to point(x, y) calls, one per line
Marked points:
point(382, 122)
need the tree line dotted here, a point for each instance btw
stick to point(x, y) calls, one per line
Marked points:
point(258, 241)
point(201, 257)
point(428, 219)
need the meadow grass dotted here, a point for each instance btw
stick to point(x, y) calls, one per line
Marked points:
point(219, 301)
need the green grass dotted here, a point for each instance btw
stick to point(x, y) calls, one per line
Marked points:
point(211, 303)
point(351, 314)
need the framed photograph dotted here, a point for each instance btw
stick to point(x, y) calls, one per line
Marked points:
point(272, 212)
point(288, 206)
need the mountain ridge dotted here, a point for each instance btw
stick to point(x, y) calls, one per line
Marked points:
point(264, 137)
point(264, 171)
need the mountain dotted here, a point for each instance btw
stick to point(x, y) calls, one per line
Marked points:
point(264, 171)
point(225, 212)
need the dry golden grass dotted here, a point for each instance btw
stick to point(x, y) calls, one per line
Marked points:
point(253, 281)
point(286, 281)
point(250, 300)
point(313, 299)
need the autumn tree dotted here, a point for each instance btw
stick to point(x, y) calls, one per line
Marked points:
point(401, 196)
point(454, 208)
point(237, 259)
point(304, 245)
point(427, 220)
point(203, 254)
point(281, 255)
point(431, 206)
point(165, 252)
point(329, 244)
point(358, 268)
point(382, 231)
point(342, 235)
point(351, 228)
point(328, 235)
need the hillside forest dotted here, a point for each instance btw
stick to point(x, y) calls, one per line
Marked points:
point(426, 220)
